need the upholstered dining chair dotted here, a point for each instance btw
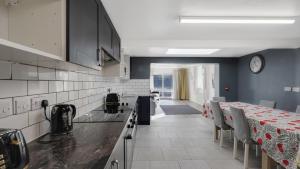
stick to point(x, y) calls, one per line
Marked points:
point(298, 109)
point(267, 103)
point(219, 99)
point(219, 121)
point(241, 133)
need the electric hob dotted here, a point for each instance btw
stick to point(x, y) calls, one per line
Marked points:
point(100, 116)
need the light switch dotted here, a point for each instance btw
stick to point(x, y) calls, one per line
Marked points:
point(287, 89)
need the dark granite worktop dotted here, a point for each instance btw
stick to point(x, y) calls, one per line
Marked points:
point(89, 146)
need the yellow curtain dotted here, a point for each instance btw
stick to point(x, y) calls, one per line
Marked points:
point(183, 85)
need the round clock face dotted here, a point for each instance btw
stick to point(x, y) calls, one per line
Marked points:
point(257, 64)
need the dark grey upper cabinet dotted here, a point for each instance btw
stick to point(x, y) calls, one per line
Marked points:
point(90, 30)
point(106, 34)
point(109, 39)
point(82, 32)
point(116, 46)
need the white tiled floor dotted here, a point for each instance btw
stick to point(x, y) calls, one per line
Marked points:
point(184, 142)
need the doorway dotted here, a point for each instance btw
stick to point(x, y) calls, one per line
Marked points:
point(163, 82)
point(202, 81)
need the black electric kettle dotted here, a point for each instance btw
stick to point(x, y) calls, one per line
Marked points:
point(62, 116)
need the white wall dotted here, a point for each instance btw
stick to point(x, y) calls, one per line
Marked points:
point(22, 83)
point(195, 93)
point(199, 95)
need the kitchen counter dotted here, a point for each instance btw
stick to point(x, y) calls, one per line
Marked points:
point(89, 146)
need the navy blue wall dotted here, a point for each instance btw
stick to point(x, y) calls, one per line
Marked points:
point(140, 69)
point(282, 69)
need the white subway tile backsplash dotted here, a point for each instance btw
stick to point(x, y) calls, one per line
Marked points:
point(62, 97)
point(85, 101)
point(83, 93)
point(24, 72)
point(5, 70)
point(62, 75)
point(73, 95)
point(18, 121)
point(76, 87)
point(80, 85)
point(37, 116)
point(78, 103)
point(92, 78)
point(68, 86)
point(46, 73)
point(56, 86)
point(12, 88)
point(73, 76)
point(86, 91)
point(83, 77)
point(85, 85)
point(31, 133)
point(44, 127)
point(6, 108)
point(37, 87)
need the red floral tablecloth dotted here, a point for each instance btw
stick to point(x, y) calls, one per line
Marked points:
point(277, 131)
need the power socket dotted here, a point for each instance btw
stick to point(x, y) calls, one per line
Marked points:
point(36, 102)
point(5, 107)
point(22, 105)
point(296, 89)
point(287, 89)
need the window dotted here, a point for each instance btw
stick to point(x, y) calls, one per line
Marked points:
point(164, 84)
point(157, 80)
point(168, 81)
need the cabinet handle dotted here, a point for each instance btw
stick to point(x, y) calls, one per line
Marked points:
point(115, 162)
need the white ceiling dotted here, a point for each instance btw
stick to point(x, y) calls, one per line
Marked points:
point(150, 27)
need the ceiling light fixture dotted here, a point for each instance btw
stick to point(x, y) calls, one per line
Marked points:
point(191, 51)
point(237, 20)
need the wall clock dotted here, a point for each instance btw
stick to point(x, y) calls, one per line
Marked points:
point(257, 63)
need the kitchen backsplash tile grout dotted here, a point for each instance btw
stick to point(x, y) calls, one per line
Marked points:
point(85, 90)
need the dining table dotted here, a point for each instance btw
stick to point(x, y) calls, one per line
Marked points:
point(276, 131)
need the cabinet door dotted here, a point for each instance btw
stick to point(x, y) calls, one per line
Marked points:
point(105, 30)
point(116, 46)
point(83, 32)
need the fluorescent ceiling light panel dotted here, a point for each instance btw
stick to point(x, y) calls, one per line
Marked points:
point(191, 51)
point(237, 20)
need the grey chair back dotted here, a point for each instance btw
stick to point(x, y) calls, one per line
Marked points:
point(219, 99)
point(218, 115)
point(240, 125)
point(298, 109)
point(267, 103)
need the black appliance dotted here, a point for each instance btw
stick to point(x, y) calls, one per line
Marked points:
point(143, 110)
point(13, 150)
point(62, 116)
point(112, 103)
